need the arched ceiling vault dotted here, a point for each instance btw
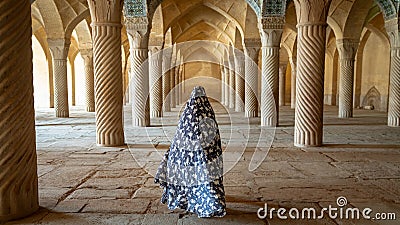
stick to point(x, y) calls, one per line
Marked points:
point(60, 17)
point(205, 27)
point(224, 15)
point(347, 17)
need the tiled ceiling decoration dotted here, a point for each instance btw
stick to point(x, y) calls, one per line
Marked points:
point(135, 8)
point(390, 8)
point(273, 8)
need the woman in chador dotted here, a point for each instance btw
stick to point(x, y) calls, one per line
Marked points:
point(191, 171)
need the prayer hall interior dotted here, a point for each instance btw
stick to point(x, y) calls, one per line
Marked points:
point(306, 95)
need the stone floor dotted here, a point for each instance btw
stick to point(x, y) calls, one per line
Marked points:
point(80, 183)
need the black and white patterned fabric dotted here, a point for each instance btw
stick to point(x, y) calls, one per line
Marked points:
point(191, 171)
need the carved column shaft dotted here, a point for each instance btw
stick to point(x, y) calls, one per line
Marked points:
point(226, 95)
point(156, 87)
point(271, 32)
point(137, 29)
point(181, 81)
point(172, 87)
point(59, 51)
point(18, 169)
point(87, 55)
point(394, 88)
point(222, 71)
point(73, 81)
point(251, 77)
point(293, 66)
point(240, 74)
point(232, 82)
point(311, 18)
point(347, 53)
point(177, 83)
point(166, 79)
point(282, 84)
point(310, 85)
point(51, 82)
point(106, 29)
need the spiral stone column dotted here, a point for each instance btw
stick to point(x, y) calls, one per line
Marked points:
point(347, 52)
point(59, 52)
point(392, 27)
point(293, 65)
point(240, 74)
point(172, 87)
point(106, 29)
point(311, 26)
point(166, 79)
point(282, 84)
point(271, 29)
point(87, 55)
point(73, 80)
point(18, 169)
point(232, 81)
point(138, 34)
point(51, 82)
point(222, 71)
point(177, 83)
point(155, 74)
point(226, 95)
point(181, 86)
point(252, 50)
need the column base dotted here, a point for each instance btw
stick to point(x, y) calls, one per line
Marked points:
point(345, 114)
point(139, 122)
point(90, 109)
point(239, 108)
point(62, 114)
point(394, 121)
point(155, 114)
point(250, 114)
point(306, 139)
point(269, 122)
point(168, 108)
point(24, 213)
point(110, 140)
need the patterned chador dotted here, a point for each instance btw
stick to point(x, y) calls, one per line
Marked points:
point(191, 171)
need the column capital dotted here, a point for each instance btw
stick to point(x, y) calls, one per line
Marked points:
point(154, 48)
point(105, 13)
point(137, 29)
point(252, 48)
point(347, 48)
point(59, 48)
point(156, 41)
point(282, 66)
point(86, 52)
point(271, 37)
point(312, 12)
point(252, 43)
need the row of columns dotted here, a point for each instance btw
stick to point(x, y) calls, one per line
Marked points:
point(155, 86)
point(19, 189)
point(59, 48)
